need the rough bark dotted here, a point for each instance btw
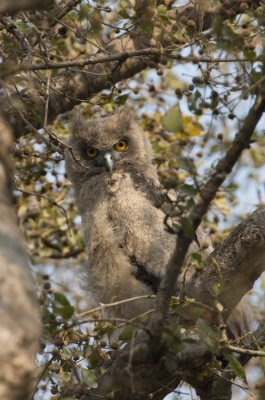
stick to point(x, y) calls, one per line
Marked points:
point(19, 325)
point(236, 263)
point(12, 6)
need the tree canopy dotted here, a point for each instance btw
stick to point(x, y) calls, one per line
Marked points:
point(193, 71)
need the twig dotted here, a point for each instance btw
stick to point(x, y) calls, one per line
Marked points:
point(255, 353)
point(41, 375)
point(122, 57)
point(220, 376)
point(69, 6)
point(116, 303)
point(98, 46)
point(123, 321)
point(64, 145)
point(53, 202)
point(170, 389)
point(46, 109)
point(19, 152)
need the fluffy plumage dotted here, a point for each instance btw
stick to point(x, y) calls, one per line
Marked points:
point(127, 245)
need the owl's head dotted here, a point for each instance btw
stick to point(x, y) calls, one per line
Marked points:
point(102, 145)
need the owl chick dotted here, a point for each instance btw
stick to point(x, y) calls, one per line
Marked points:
point(118, 196)
point(116, 188)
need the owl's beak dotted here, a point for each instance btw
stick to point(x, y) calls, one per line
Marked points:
point(108, 161)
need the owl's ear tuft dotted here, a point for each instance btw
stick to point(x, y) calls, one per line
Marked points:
point(127, 115)
point(77, 125)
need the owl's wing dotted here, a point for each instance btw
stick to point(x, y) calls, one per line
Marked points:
point(148, 184)
point(142, 274)
point(151, 236)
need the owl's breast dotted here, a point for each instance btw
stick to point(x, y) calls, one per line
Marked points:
point(115, 182)
point(138, 224)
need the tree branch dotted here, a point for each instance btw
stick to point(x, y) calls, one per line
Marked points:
point(206, 195)
point(12, 6)
point(19, 332)
point(122, 57)
point(69, 88)
point(229, 264)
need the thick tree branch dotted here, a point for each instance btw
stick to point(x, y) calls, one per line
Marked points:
point(143, 378)
point(19, 325)
point(235, 264)
point(70, 87)
point(12, 6)
point(207, 194)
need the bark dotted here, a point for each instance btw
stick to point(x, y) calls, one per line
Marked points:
point(19, 325)
point(140, 375)
point(12, 6)
point(236, 263)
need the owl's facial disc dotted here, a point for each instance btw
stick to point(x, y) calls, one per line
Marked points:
point(107, 158)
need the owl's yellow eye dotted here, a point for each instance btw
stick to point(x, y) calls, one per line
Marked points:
point(121, 145)
point(91, 152)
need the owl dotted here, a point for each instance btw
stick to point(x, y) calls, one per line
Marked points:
point(119, 199)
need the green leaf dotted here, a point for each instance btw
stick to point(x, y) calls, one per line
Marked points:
point(61, 306)
point(121, 100)
point(127, 333)
point(22, 26)
point(175, 302)
point(172, 120)
point(95, 359)
point(89, 378)
point(217, 288)
point(189, 189)
point(262, 361)
point(61, 299)
point(237, 367)
point(174, 338)
point(197, 257)
point(161, 9)
point(184, 163)
point(65, 312)
point(209, 336)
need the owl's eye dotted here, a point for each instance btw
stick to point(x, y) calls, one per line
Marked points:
point(91, 152)
point(120, 146)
